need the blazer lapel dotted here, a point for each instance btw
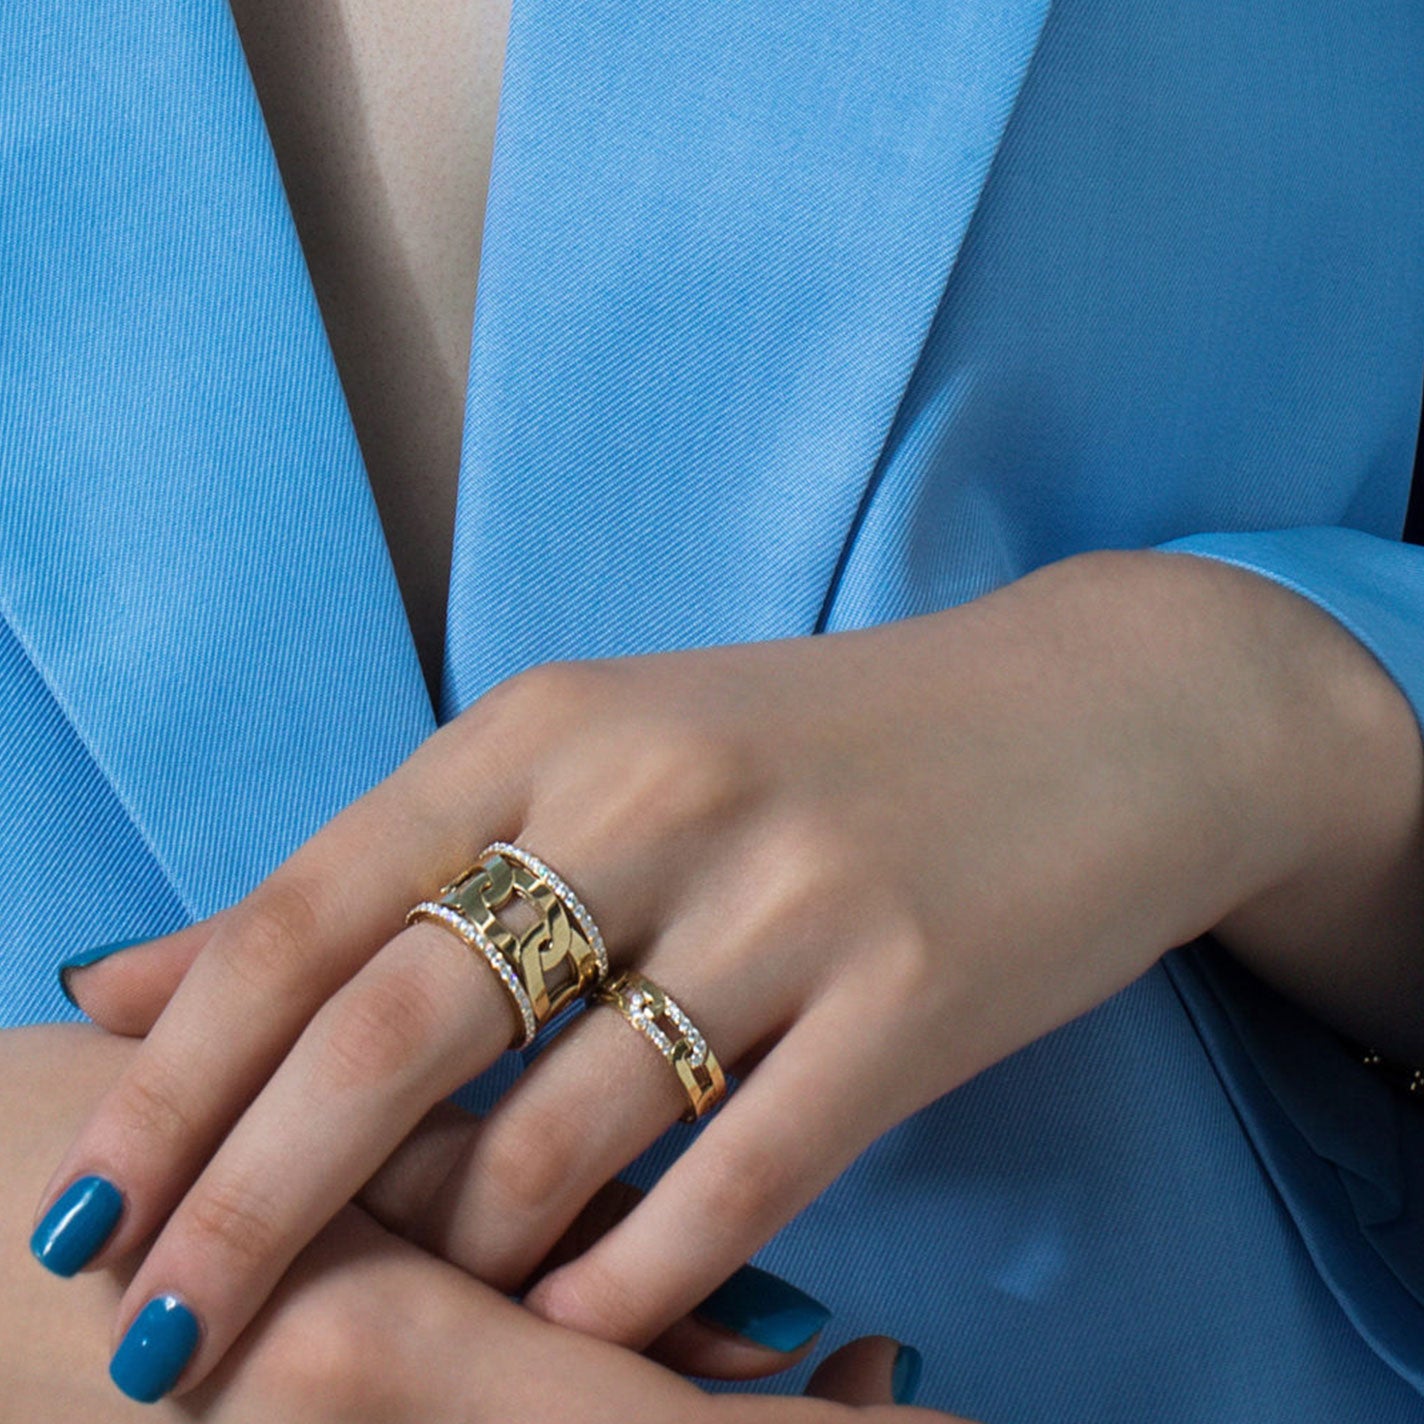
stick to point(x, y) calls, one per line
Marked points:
point(189, 552)
point(716, 237)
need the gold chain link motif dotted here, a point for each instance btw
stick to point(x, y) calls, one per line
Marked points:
point(552, 959)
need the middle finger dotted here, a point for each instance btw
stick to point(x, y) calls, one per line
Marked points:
point(426, 1014)
point(599, 1094)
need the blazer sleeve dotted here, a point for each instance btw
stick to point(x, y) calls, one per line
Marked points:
point(1343, 1147)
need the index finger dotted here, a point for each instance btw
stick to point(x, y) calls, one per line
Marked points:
point(272, 960)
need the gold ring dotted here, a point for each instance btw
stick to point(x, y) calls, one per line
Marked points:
point(657, 1016)
point(559, 958)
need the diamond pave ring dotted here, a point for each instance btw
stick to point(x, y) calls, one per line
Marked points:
point(560, 957)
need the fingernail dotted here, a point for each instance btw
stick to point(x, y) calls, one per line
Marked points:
point(153, 1354)
point(87, 957)
point(77, 1225)
point(765, 1309)
point(905, 1378)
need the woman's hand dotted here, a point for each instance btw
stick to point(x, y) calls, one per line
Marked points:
point(868, 865)
point(364, 1328)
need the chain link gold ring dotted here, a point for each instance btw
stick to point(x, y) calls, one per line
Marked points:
point(560, 957)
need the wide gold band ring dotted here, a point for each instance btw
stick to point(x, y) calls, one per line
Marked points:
point(560, 957)
point(656, 1015)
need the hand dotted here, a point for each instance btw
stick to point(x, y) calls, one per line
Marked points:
point(364, 1329)
point(868, 864)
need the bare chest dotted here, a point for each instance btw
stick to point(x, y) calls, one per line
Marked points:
point(382, 115)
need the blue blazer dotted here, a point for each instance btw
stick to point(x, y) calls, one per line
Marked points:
point(793, 316)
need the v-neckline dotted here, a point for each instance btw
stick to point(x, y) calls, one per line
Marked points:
point(661, 447)
point(376, 254)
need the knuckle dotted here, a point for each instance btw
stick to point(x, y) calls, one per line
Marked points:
point(152, 1108)
point(275, 938)
point(745, 1193)
point(542, 694)
point(590, 1297)
point(236, 1221)
point(532, 1160)
point(808, 886)
point(811, 857)
point(664, 779)
point(328, 1369)
point(909, 968)
point(686, 777)
point(378, 1028)
point(345, 1337)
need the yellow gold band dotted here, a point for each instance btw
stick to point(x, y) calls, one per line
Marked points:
point(557, 959)
point(657, 1016)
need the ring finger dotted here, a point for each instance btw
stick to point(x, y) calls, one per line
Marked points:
point(592, 1101)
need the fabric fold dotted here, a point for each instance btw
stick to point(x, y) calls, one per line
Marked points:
point(1344, 1153)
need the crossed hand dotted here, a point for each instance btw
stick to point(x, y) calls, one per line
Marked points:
point(866, 865)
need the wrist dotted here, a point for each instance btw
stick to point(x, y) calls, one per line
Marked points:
point(1255, 727)
point(1320, 747)
point(1313, 769)
point(1135, 671)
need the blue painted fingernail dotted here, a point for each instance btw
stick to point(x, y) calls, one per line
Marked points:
point(152, 1355)
point(765, 1309)
point(905, 1379)
point(90, 956)
point(77, 1225)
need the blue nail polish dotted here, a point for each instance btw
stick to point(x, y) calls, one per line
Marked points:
point(90, 956)
point(905, 1379)
point(765, 1309)
point(77, 1225)
point(153, 1354)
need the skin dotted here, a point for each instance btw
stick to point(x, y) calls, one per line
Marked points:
point(364, 1329)
point(381, 115)
point(1089, 766)
point(1101, 761)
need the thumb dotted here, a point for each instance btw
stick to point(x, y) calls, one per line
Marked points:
point(872, 1370)
point(124, 987)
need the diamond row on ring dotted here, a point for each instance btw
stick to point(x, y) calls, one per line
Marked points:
point(477, 939)
point(560, 887)
point(643, 1009)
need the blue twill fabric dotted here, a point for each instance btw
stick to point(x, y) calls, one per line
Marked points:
point(792, 318)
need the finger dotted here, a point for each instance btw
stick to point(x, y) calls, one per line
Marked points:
point(692, 1347)
point(581, 1111)
point(872, 1370)
point(592, 1101)
point(792, 1125)
point(720, 1339)
point(400, 1195)
point(125, 992)
point(423, 1017)
point(270, 962)
point(874, 1375)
